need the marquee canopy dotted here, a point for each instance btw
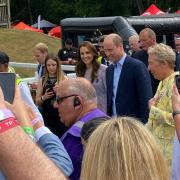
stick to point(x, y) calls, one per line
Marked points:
point(21, 25)
point(44, 24)
point(56, 31)
point(153, 10)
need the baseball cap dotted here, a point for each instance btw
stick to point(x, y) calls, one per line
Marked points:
point(4, 58)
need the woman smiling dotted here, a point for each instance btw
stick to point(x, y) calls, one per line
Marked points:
point(89, 68)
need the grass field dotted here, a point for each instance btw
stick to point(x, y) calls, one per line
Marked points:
point(18, 44)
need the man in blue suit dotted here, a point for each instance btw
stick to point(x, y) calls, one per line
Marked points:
point(128, 82)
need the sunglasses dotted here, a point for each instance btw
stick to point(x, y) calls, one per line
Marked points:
point(59, 99)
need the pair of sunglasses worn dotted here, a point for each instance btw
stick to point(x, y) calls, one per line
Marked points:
point(59, 99)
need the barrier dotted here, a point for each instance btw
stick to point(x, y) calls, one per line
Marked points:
point(34, 66)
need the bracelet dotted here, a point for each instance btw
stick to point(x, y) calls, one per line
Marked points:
point(8, 124)
point(28, 130)
point(175, 113)
point(35, 120)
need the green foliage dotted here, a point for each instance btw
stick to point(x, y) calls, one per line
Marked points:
point(55, 10)
point(19, 44)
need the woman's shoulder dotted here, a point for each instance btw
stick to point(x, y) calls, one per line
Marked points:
point(102, 68)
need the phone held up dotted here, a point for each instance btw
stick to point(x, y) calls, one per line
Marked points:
point(7, 83)
point(177, 80)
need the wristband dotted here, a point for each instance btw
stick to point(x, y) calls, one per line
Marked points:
point(8, 124)
point(35, 120)
point(28, 130)
point(5, 114)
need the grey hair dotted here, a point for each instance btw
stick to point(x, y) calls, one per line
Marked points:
point(150, 32)
point(83, 88)
point(134, 37)
point(163, 53)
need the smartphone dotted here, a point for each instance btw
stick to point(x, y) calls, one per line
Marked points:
point(177, 80)
point(7, 83)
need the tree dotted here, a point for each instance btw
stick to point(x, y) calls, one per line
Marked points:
point(29, 10)
point(55, 10)
point(140, 6)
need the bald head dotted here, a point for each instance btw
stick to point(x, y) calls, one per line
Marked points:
point(75, 98)
point(147, 38)
point(78, 86)
point(149, 32)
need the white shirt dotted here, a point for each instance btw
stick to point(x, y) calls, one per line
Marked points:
point(26, 96)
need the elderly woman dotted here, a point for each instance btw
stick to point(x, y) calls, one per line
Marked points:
point(160, 122)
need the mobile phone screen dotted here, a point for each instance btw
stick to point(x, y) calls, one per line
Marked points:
point(7, 83)
point(177, 79)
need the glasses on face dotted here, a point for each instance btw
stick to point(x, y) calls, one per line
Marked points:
point(59, 99)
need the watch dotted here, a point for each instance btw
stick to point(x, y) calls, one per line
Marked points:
point(175, 113)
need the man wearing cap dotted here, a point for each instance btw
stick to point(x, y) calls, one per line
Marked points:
point(68, 55)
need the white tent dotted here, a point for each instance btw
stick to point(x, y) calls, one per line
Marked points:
point(44, 24)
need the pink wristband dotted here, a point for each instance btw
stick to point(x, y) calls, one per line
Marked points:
point(35, 120)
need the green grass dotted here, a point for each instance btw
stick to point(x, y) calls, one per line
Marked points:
point(18, 44)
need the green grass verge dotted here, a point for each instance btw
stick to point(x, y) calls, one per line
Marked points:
point(18, 44)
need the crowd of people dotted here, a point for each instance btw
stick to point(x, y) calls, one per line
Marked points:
point(119, 118)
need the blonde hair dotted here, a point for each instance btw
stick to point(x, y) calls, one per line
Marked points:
point(122, 148)
point(163, 53)
point(117, 39)
point(59, 73)
point(134, 37)
point(41, 47)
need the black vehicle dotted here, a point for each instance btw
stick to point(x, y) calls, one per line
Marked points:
point(89, 29)
point(81, 29)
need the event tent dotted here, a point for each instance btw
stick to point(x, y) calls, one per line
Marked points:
point(152, 10)
point(56, 31)
point(178, 11)
point(21, 25)
point(44, 24)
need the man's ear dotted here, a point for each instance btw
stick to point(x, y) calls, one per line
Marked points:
point(77, 102)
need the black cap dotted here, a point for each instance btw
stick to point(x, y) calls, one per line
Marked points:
point(4, 58)
point(69, 41)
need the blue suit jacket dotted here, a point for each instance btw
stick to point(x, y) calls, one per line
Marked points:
point(133, 92)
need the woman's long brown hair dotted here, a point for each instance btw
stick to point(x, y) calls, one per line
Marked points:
point(81, 67)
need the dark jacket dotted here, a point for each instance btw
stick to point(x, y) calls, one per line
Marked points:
point(133, 92)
